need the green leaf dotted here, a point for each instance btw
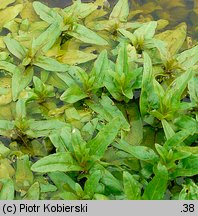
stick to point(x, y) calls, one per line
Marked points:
point(79, 146)
point(186, 167)
point(79, 191)
point(100, 197)
point(6, 66)
point(7, 189)
point(108, 110)
point(174, 91)
point(193, 89)
point(177, 139)
point(120, 11)
point(119, 81)
point(15, 48)
point(86, 35)
point(146, 31)
point(148, 97)
point(42, 90)
point(20, 109)
point(6, 127)
point(99, 70)
point(4, 151)
point(92, 183)
point(111, 86)
point(135, 135)
point(122, 66)
point(189, 149)
point(160, 93)
point(5, 3)
point(61, 139)
point(45, 188)
point(20, 79)
point(68, 196)
point(33, 192)
point(43, 41)
point(128, 35)
point(188, 58)
point(132, 188)
point(110, 181)
point(44, 128)
point(104, 138)
point(74, 57)
point(47, 14)
point(174, 38)
point(62, 181)
point(156, 188)
point(169, 132)
point(9, 14)
point(189, 191)
point(50, 64)
point(187, 123)
point(80, 10)
point(162, 152)
point(139, 152)
point(24, 176)
point(73, 94)
point(61, 161)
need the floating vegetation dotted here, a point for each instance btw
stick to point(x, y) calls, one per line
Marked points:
point(98, 102)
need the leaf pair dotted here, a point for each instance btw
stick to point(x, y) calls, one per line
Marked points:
point(155, 100)
point(121, 79)
point(82, 84)
point(154, 190)
point(23, 74)
point(73, 29)
point(65, 161)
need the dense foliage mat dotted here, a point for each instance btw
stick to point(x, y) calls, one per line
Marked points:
point(95, 105)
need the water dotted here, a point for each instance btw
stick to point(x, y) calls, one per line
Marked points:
point(175, 11)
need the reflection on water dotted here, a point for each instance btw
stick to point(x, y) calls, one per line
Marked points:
point(175, 11)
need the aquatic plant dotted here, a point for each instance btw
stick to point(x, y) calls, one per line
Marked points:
point(95, 105)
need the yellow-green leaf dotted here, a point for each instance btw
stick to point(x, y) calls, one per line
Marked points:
point(5, 3)
point(9, 14)
point(73, 57)
point(120, 11)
